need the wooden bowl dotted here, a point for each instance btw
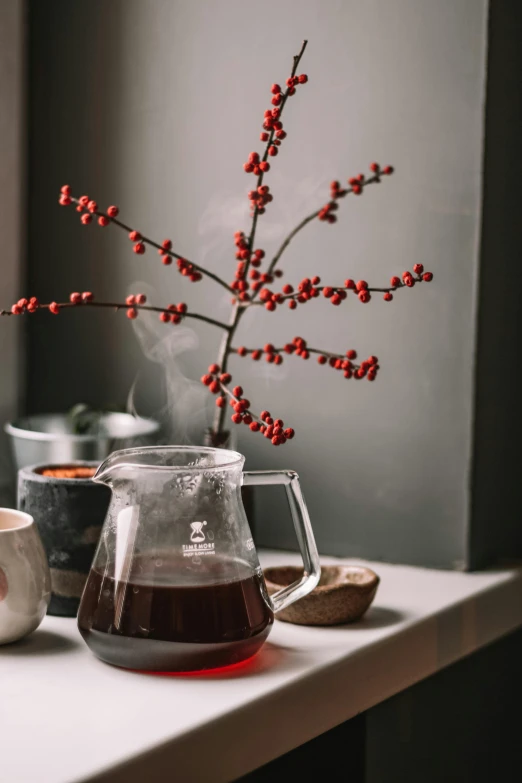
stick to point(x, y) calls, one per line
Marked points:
point(343, 595)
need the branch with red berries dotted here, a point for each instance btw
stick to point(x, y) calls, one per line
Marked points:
point(299, 347)
point(250, 286)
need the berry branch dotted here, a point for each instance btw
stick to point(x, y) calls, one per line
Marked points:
point(299, 347)
point(173, 313)
point(311, 288)
point(250, 282)
point(89, 208)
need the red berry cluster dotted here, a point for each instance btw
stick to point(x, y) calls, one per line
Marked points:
point(245, 258)
point(259, 198)
point(273, 133)
point(367, 369)
point(408, 280)
point(306, 290)
point(25, 305)
point(356, 186)
point(217, 383)
point(338, 295)
point(87, 207)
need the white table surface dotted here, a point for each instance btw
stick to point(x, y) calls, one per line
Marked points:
point(65, 717)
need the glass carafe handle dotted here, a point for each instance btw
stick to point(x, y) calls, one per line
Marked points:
point(303, 529)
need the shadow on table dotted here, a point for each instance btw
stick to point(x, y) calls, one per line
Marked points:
point(375, 617)
point(40, 642)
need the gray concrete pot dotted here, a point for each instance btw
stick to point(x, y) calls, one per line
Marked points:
point(69, 514)
point(49, 437)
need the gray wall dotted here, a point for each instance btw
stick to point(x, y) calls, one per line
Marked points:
point(154, 106)
point(11, 191)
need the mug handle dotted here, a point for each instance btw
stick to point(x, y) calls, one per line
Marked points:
point(305, 537)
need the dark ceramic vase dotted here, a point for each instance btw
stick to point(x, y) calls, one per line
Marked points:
point(69, 513)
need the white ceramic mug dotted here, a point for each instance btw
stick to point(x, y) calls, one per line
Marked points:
point(25, 583)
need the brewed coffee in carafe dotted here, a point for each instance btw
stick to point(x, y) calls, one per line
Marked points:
point(176, 584)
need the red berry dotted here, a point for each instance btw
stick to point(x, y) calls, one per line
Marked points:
point(387, 296)
point(86, 219)
point(132, 313)
point(361, 285)
point(289, 433)
point(264, 415)
point(242, 351)
point(255, 426)
point(373, 360)
point(278, 359)
point(328, 291)
point(302, 78)
point(92, 206)
point(206, 379)
point(336, 299)
point(280, 135)
point(213, 368)
point(75, 298)
point(288, 289)
point(139, 248)
point(291, 90)
point(64, 201)
point(395, 282)
point(225, 377)
point(349, 283)
point(83, 200)
point(418, 269)
point(351, 354)
point(167, 260)
point(66, 190)
point(264, 165)
point(270, 306)
point(292, 304)
point(388, 170)
point(364, 296)
point(134, 236)
point(237, 391)
point(221, 402)
point(87, 296)
point(427, 277)
point(270, 358)
point(348, 373)
point(374, 167)
point(166, 244)
point(237, 418)
point(256, 355)
point(164, 317)
point(54, 308)
point(247, 419)
point(103, 221)
point(141, 299)
point(275, 88)
point(214, 387)
point(113, 212)
point(264, 136)
point(273, 151)
point(182, 308)
point(79, 208)
point(175, 318)
point(276, 100)
point(357, 189)
point(248, 168)
point(17, 310)
point(322, 359)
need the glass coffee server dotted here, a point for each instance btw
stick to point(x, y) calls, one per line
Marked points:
point(176, 584)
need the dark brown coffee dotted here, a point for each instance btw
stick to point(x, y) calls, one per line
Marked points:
point(162, 627)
